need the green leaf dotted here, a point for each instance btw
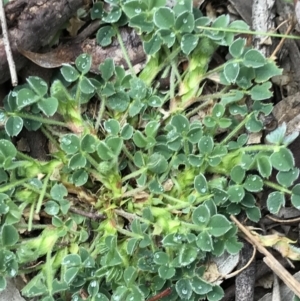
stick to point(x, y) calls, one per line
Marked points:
point(238, 25)
point(237, 174)
point(9, 235)
point(7, 149)
point(261, 92)
point(70, 143)
point(201, 216)
point(113, 15)
point(204, 241)
point(275, 201)
point(83, 63)
point(200, 184)
point(268, 70)
point(264, 166)
point(296, 196)
point(168, 37)
point(13, 125)
point(161, 258)
point(155, 101)
point(200, 286)
point(253, 183)
point(58, 192)
point(118, 102)
point(88, 143)
point(218, 225)
point(51, 208)
point(232, 96)
point(70, 274)
point(26, 98)
point(187, 254)
point(254, 125)
point(153, 45)
point(253, 58)
point(127, 131)
point(206, 144)
point(97, 11)
point(130, 275)
point(69, 73)
point(164, 18)
point(48, 106)
point(236, 193)
point(104, 35)
point(184, 289)
point(138, 89)
point(236, 49)
point(180, 123)
point(112, 126)
point(139, 22)
point(133, 8)
point(38, 85)
point(157, 163)
point(2, 283)
point(86, 86)
point(254, 214)
point(231, 71)
point(107, 68)
point(166, 272)
point(216, 294)
point(152, 128)
point(77, 161)
point(287, 178)
point(282, 160)
point(80, 177)
point(188, 43)
point(185, 22)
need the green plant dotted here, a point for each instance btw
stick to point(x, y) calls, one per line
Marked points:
point(162, 182)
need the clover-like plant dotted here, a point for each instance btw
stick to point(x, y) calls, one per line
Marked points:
point(137, 198)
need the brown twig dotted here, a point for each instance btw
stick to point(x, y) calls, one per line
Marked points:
point(270, 260)
point(91, 215)
point(284, 221)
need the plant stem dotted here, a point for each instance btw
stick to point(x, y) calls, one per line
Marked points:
point(277, 187)
point(13, 184)
point(128, 233)
point(240, 31)
point(127, 153)
point(124, 51)
point(100, 113)
point(50, 137)
point(236, 130)
point(37, 118)
point(42, 194)
point(133, 174)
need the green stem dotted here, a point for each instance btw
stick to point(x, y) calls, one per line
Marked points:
point(100, 113)
point(260, 147)
point(133, 174)
point(50, 137)
point(124, 51)
point(78, 91)
point(127, 153)
point(42, 194)
point(13, 184)
point(39, 119)
point(128, 233)
point(27, 158)
point(240, 31)
point(277, 187)
point(236, 130)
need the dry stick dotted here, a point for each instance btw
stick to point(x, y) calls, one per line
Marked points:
point(243, 268)
point(291, 26)
point(270, 260)
point(10, 59)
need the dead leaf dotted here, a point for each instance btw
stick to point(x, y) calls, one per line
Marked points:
point(74, 25)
